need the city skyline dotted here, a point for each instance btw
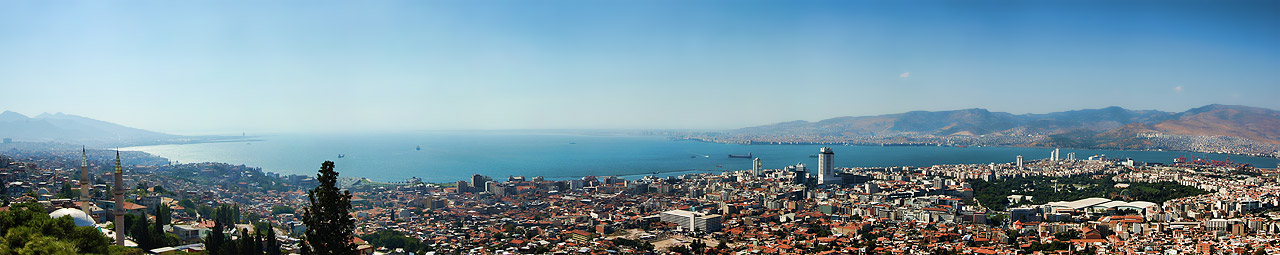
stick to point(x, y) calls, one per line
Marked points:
point(197, 68)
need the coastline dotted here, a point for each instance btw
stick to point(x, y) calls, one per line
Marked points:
point(392, 158)
point(927, 144)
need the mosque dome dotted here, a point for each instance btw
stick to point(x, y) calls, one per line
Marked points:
point(79, 217)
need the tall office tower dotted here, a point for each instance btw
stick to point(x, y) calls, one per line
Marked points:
point(826, 167)
point(84, 174)
point(757, 167)
point(477, 183)
point(1053, 155)
point(119, 208)
point(1071, 156)
point(1019, 161)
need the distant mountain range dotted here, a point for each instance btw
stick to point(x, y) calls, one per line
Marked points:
point(1111, 127)
point(66, 128)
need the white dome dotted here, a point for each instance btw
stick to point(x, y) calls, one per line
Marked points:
point(79, 217)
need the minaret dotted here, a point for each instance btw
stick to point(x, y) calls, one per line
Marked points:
point(118, 189)
point(84, 175)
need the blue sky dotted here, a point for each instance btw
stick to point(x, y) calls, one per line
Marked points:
point(201, 67)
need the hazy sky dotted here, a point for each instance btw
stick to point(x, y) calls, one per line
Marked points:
point(200, 67)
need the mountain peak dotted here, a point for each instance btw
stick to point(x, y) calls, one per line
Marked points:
point(46, 115)
point(67, 128)
point(12, 116)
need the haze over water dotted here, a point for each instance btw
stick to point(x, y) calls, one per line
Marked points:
point(453, 156)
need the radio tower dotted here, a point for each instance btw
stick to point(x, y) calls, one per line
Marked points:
point(84, 175)
point(119, 208)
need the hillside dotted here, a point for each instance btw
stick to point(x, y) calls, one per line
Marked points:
point(62, 127)
point(1225, 120)
point(1111, 127)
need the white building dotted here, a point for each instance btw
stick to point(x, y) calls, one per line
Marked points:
point(826, 167)
point(693, 221)
point(757, 167)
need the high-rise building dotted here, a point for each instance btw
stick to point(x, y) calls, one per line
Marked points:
point(84, 174)
point(463, 187)
point(1071, 156)
point(757, 167)
point(826, 167)
point(1053, 156)
point(1019, 162)
point(118, 189)
point(477, 183)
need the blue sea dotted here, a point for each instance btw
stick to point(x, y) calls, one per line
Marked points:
point(453, 156)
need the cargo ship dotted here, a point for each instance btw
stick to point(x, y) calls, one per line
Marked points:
point(740, 156)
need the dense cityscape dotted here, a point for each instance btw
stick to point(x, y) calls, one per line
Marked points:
point(706, 127)
point(1049, 205)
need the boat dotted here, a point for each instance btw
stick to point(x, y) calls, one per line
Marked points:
point(340, 155)
point(693, 156)
point(418, 148)
point(740, 156)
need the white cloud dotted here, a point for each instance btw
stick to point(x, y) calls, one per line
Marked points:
point(905, 75)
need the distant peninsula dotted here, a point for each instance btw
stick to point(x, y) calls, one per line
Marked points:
point(1214, 128)
point(67, 129)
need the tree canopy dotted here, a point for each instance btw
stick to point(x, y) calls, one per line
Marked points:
point(330, 227)
point(27, 229)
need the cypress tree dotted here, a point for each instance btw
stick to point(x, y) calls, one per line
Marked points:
point(216, 242)
point(273, 246)
point(246, 244)
point(141, 233)
point(330, 227)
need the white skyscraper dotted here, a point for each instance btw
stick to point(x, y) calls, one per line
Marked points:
point(826, 166)
point(757, 167)
point(1053, 156)
point(1019, 161)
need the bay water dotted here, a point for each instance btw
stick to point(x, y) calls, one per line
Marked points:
point(453, 156)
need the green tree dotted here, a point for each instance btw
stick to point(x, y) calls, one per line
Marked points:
point(26, 229)
point(698, 247)
point(44, 245)
point(67, 192)
point(217, 243)
point(159, 238)
point(141, 233)
point(273, 245)
point(329, 225)
point(1067, 235)
point(279, 209)
point(248, 244)
point(205, 211)
point(188, 206)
